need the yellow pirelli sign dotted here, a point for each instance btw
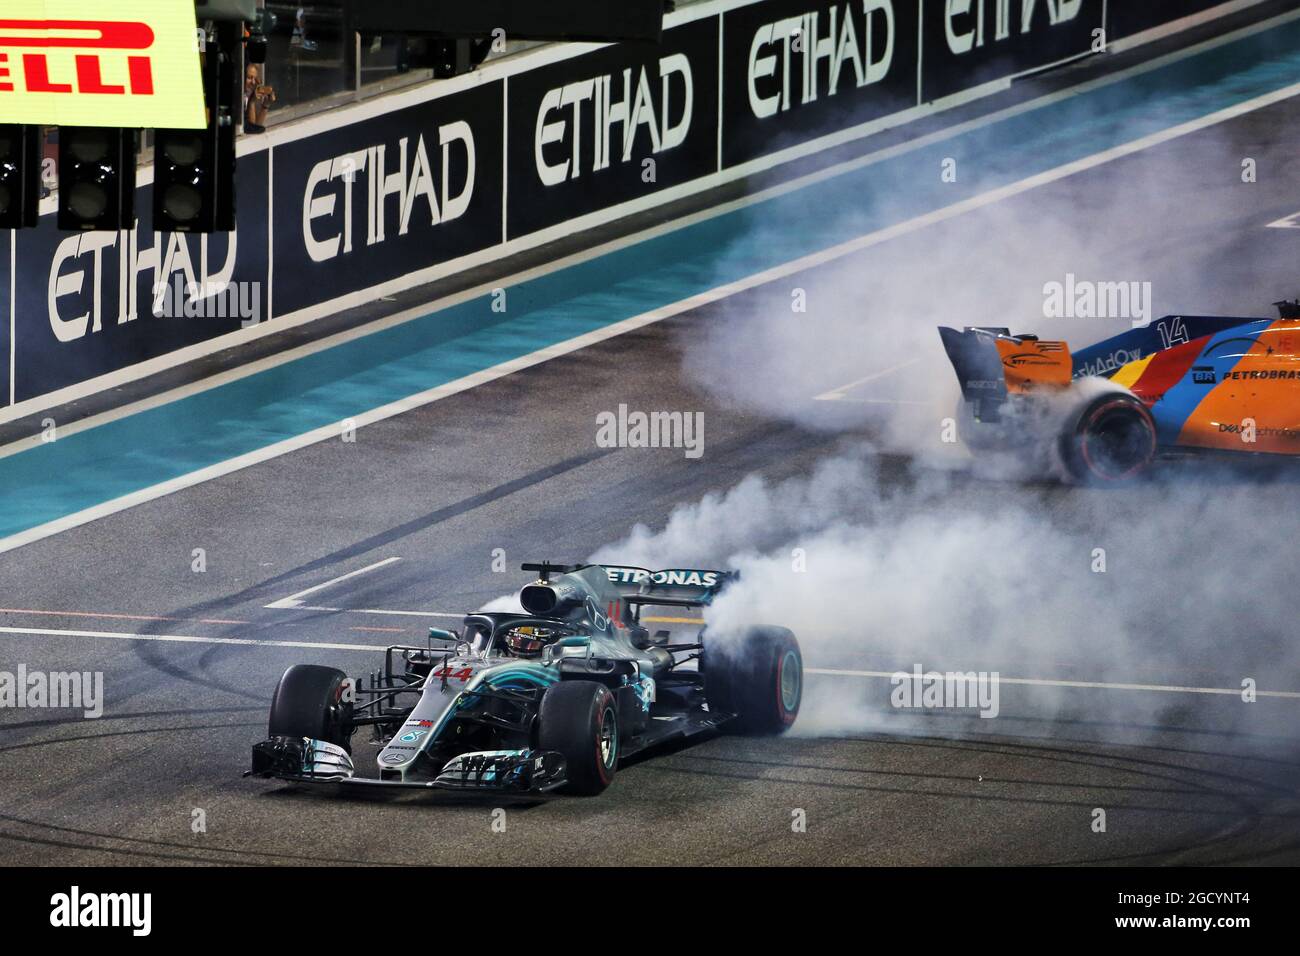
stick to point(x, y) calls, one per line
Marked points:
point(100, 63)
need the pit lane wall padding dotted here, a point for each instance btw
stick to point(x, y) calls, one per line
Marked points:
point(349, 205)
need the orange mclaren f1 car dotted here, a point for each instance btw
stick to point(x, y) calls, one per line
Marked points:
point(1181, 383)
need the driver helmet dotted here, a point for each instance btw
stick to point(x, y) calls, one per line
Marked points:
point(527, 640)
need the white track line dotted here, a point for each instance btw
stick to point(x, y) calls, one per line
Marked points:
point(1287, 222)
point(782, 271)
point(185, 639)
point(1086, 684)
point(293, 600)
point(369, 610)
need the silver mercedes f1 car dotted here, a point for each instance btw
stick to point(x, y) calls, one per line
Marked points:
point(550, 699)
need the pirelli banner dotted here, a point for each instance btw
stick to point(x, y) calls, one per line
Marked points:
point(356, 203)
point(73, 63)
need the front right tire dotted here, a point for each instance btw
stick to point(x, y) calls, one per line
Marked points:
point(309, 702)
point(579, 719)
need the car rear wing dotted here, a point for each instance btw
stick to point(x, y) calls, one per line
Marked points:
point(974, 357)
point(990, 363)
point(670, 587)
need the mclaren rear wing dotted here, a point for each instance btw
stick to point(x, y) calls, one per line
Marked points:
point(990, 363)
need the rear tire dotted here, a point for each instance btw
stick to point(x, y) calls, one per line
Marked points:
point(579, 719)
point(309, 702)
point(1111, 440)
point(758, 678)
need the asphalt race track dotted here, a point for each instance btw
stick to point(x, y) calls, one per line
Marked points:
point(1185, 776)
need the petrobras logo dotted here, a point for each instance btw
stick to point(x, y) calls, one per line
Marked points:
point(648, 111)
point(134, 63)
point(851, 44)
point(399, 186)
point(675, 577)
